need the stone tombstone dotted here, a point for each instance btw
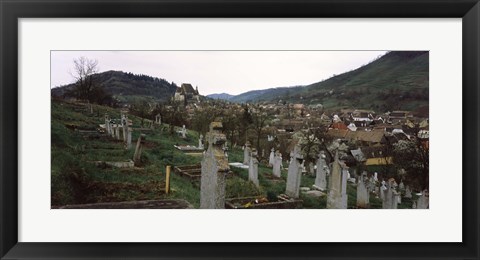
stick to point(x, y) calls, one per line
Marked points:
point(371, 184)
point(253, 168)
point(129, 139)
point(321, 178)
point(401, 186)
point(294, 173)
point(271, 159)
point(125, 127)
point(362, 192)
point(214, 168)
point(246, 153)
point(337, 195)
point(408, 192)
point(107, 124)
point(390, 199)
point(200, 142)
point(112, 130)
point(158, 119)
point(382, 190)
point(375, 176)
point(138, 149)
point(277, 164)
point(184, 132)
point(117, 132)
point(311, 168)
point(422, 201)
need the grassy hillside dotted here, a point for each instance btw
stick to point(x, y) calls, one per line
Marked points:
point(397, 80)
point(75, 179)
point(127, 87)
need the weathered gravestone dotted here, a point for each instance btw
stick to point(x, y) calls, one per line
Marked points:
point(112, 130)
point(125, 127)
point(107, 124)
point(321, 178)
point(294, 173)
point(362, 192)
point(423, 201)
point(158, 119)
point(184, 132)
point(382, 190)
point(117, 132)
point(129, 139)
point(311, 168)
point(390, 196)
point(253, 168)
point(214, 168)
point(277, 164)
point(337, 195)
point(401, 186)
point(200, 142)
point(138, 150)
point(271, 159)
point(408, 192)
point(246, 153)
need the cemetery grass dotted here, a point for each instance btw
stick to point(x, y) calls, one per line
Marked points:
point(75, 179)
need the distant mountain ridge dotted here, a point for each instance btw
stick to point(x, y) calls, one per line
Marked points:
point(223, 96)
point(397, 80)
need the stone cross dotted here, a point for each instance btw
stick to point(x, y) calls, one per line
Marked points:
point(271, 159)
point(294, 173)
point(337, 195)
point(423, 201)
point(125, 127)
point(117, 132)
point(200, 142)
point(184, 132)
point(138, 149)
point(362, 192)
point(321, 177)
point(408, 192)
point(311, 168)
point(382, 190)
point(253, 168)
point(129, 139)
point(107, 124)
point(214, 168)
point(277, 164)
point(246, 153)
point(112, 130)
point(390, 199)
point(375, 176)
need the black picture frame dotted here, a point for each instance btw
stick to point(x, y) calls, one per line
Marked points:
point(10, 11)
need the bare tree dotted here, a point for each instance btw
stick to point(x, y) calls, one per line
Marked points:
point(85, 87)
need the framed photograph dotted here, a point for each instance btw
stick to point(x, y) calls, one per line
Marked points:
point(126, 126)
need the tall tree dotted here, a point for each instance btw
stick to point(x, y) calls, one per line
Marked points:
point(85, 85)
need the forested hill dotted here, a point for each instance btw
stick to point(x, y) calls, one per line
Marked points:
point(397, 80)
point(126, 86)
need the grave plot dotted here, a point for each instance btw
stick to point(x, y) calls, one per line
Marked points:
point(192, 172)
point(189, 149)
point(273, 178)
point(283, 202)
point(100, 191)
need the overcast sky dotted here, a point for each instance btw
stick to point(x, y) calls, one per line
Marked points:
point(232, 72)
